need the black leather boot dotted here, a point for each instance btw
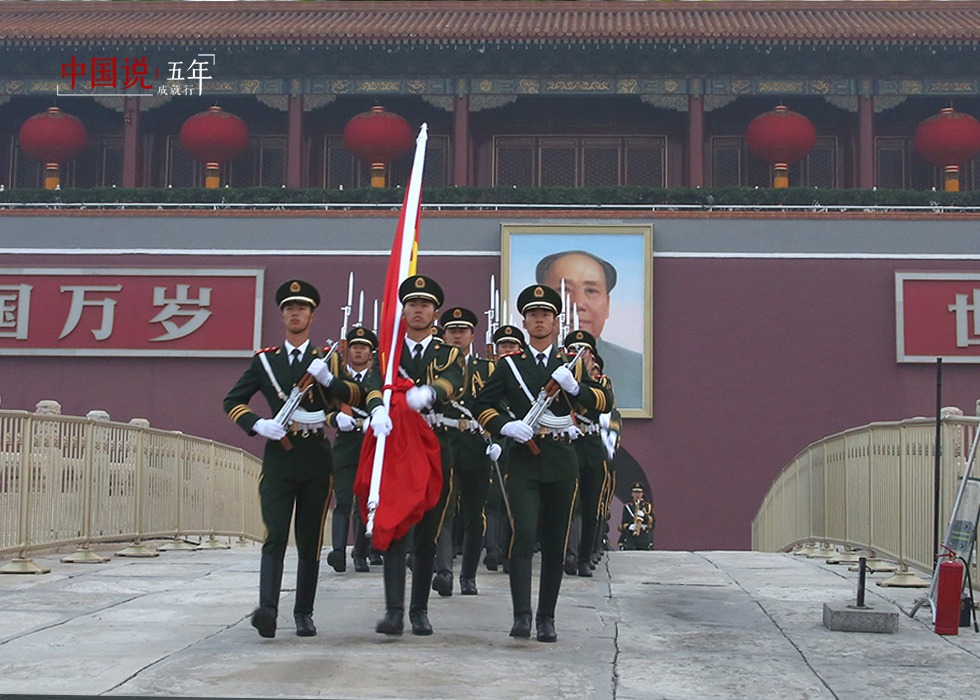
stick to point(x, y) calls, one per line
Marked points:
point(549, 587)
point(307, 578)
point(360, 550)
point(418, 610)
point(337, 558)
point(394, 575)
point(270, 582)
point(472, 546)
point(520, 595)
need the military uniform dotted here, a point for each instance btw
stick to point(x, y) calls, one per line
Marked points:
point(471, 471)
point(541, 487)
point(638, 523)
point(347, 443)
point(441, 368)
point(298, 478)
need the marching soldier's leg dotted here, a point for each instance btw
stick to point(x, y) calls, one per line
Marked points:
point(344, 493)
point(574, 539)
point(359, 552)
point(556, 508)
point(394, 575)
point(442, 582)
point(592, 473)
point(312, 499)
point(494, 516)
point(423, 560)
point(276, 502)
point(525, 504)
point(474, 487)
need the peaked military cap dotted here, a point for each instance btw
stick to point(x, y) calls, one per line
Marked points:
point(421, 287)
point(439, 332)
point(508, 333)
point(360, 334)
point(580, 338)
point(538, 296)
point(637, 486)
point(458, 317)
point(297, 290)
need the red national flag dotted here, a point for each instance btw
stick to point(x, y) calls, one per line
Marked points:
point(399, 476)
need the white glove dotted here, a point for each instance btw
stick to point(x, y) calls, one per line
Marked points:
point(633, 527)
point(604, 420)
point(320, 371)
point(269, 429)
point(380, 422)
point(493, 451)
point(567, 380)
point(420, 398)
point(609, 440)
point(640, 513)
point(521, 432)
point(345, 423)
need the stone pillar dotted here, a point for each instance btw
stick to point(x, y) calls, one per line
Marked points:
point(98, 414)
point(131, 159)
point(48, 407)
point(695, 140)
point(139, 422)
point(866, 142)
point(294, 142)
point(461, 140)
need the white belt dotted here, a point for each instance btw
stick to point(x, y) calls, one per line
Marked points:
point(308, 420)
point(461, 424)
point(590, 429)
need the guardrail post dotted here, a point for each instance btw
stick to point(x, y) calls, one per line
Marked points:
point(212, 542)
point(178, 543)
point(137, 548)
point(21, 564)
point(84, 553)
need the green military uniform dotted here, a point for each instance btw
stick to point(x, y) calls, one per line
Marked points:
point(347, 443)
point(638, 522)
point(296, 479)
point(440, 367)
point(471, 470)
point(541, 487)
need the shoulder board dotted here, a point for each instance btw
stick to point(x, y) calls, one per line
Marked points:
point(270, 349)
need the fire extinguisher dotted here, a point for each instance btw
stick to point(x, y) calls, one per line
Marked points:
point(948, 590)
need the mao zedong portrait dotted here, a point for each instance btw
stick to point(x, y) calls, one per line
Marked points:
point(588, 282)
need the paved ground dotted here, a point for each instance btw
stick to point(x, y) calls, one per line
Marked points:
point(677, 625)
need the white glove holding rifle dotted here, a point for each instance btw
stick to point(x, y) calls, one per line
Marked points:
point(566, 380)
point(345, 423)
point(319, 370)
point(517, 430)
point(493, 451)
point(269, 429)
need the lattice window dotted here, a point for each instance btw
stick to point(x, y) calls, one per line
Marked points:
point(898, 166)
point(579, 161)
point(342, 169)
point(263, 164)
point(99, 165)
point(731, 166)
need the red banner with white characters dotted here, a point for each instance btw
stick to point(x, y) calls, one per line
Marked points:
point(937, 315)
point(130, 312)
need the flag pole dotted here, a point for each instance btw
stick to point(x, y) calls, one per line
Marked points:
point(403, 254)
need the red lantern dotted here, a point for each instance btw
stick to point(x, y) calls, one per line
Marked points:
point(948, 140)
point(214, 137)
point(53, 138)
point(378, 137)
point(781, 137)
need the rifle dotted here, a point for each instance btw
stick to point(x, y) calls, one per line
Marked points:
point(285, 415)
point(543, 401)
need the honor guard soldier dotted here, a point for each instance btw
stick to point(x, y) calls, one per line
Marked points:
point(363, 370)
point(542, 472)
point(638, 522)
point(296, 464)
point(437, 370)
point(610, 429)
point(507, 340)
point(471, 465)
point(591, 457)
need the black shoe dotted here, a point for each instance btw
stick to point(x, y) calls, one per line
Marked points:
point(391, 623)
point(522, 626)
point(374, 559)
point(304, 625)
point(491, 561)
point(571, 564)
point(264, 620)
point(546, 629)
point(584, 569)
point(505, 565)
point(361, 565)
point(338, 560)
point(467, 586)
point(442, 583)
point(420, 622)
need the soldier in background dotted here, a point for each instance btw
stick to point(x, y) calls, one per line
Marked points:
point(638, 522)
point(296, 478)
point(351, 420)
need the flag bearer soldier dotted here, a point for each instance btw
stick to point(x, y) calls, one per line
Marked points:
point(591, 455)
point(471, 465)
point(507, 341)
point(298, 476)
point(638, 522)
point(541, 487)
point(363, 370)
point(437, 370)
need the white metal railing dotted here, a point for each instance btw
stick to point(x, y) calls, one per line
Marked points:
point(870, 488)
point(68, 480)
